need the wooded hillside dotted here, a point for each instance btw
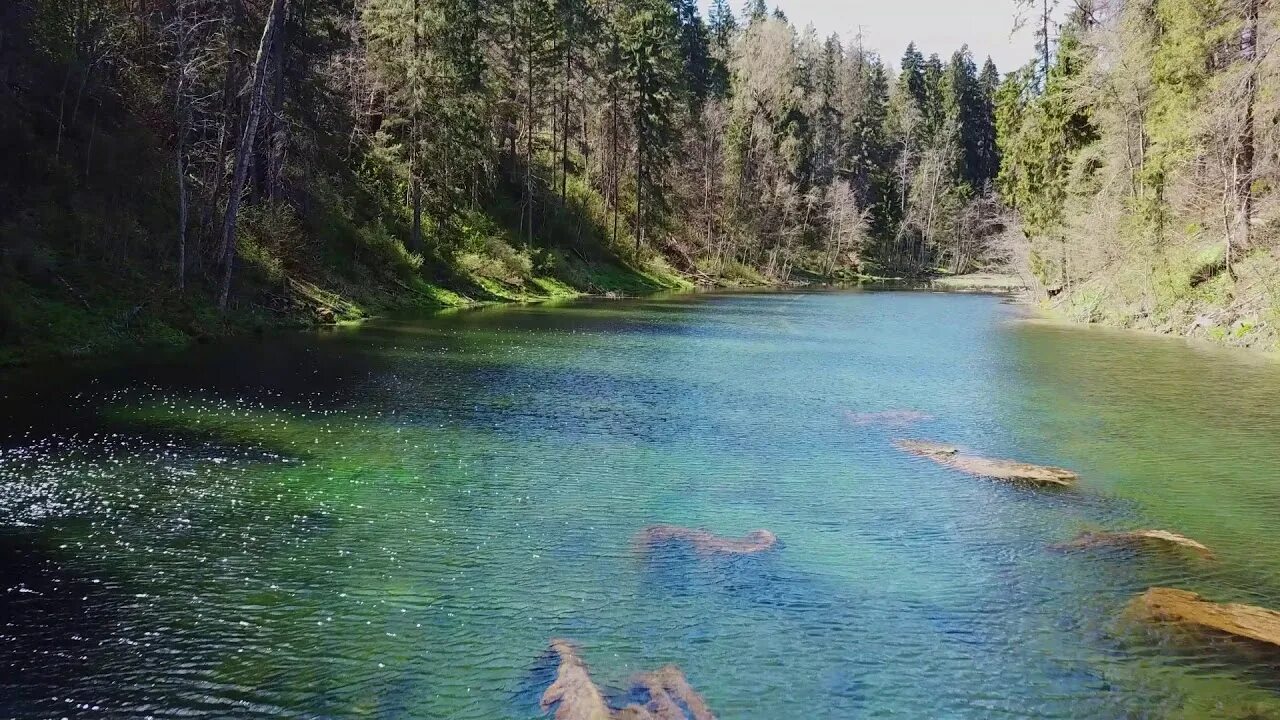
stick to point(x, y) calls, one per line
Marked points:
point(177, 165)
point(1142, 158)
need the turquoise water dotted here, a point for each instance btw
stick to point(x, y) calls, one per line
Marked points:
point(394, 520)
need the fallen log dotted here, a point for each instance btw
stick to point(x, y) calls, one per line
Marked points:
point(1160, 604)
point(707, 543)
point(1136, 538)
point(670, 694)
point(574, 695)
point(889, 418)
point(996, 469)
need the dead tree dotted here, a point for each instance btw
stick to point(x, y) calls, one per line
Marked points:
point(244, 150)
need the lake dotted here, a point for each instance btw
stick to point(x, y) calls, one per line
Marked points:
point(394, 520)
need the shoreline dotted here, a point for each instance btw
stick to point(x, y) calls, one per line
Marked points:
point(18, 356)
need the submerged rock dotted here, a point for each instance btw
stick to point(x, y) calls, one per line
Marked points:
point(575, 696)
point(927, 449)
point(1160, 604)
point(705, 542)
point(1010, 470)
point(890, 418)
point(1136, 538)
point(670, 694)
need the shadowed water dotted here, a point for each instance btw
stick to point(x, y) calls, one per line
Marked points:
point(393, 520)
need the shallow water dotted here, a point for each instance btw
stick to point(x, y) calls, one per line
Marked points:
point(392, 521)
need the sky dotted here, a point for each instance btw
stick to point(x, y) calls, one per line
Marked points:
point(936, 26)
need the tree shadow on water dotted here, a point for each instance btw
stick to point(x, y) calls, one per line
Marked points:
point(55, 629)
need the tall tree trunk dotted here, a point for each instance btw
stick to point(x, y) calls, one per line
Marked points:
point(708, 152)
point(613, 162)
point(1044, 18)
point(528, 155)
point(230, 105)
point(415, 180)
point(415, 236)
point(62, 111)
point(564, 148)
point(277, 133)
point(1245, 155)
point(182, 115)
point(182, 211)
point(640, 150)
point(613, 123)
point(244, 150)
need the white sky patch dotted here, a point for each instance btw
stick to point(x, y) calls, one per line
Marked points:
point(936, 26)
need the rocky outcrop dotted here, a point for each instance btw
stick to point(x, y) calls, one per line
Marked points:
point(996, 469)
point(1136, 538)
point(1170, 605)
point(705, 542)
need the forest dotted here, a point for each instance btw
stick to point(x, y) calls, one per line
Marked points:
point(178, 167)
point(187, 168)
point(1140, 155)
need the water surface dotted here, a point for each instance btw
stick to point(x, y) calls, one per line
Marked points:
point(393, 520)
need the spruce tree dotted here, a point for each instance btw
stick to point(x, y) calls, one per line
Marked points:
point(911, 80)
point(989, 152)
point(722, 25)
point(651, 46)
point(695, 51)
point(966, 113)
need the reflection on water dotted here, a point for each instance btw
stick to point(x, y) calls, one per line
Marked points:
point(395, 520)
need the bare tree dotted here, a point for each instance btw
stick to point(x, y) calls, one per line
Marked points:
point(192, 32)
point(847, 224)
point(244, 150)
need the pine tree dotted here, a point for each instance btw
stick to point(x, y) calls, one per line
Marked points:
point(988, 162)
point(651, 46)
point(695, 50)
point(722, 25)
point(966, 112)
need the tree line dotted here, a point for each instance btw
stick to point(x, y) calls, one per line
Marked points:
point(735, 143)
point(1140, 152)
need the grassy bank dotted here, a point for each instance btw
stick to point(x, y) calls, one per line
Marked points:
point(1183, 292)
point(70, 308)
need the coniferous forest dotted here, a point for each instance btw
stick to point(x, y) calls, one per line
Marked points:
point(179, 168)
point(779, 418)
point(190, 163)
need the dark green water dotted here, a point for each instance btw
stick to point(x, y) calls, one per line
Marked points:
point(392, 521)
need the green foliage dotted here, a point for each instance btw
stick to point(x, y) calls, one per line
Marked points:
point(1132, 168)
point(416, 153)
point(1039, 137)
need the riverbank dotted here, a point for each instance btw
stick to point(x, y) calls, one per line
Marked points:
point(1239, 312)
point(1249, 326)
point(1236, 311)
point(90, 312)
point(82, 311)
